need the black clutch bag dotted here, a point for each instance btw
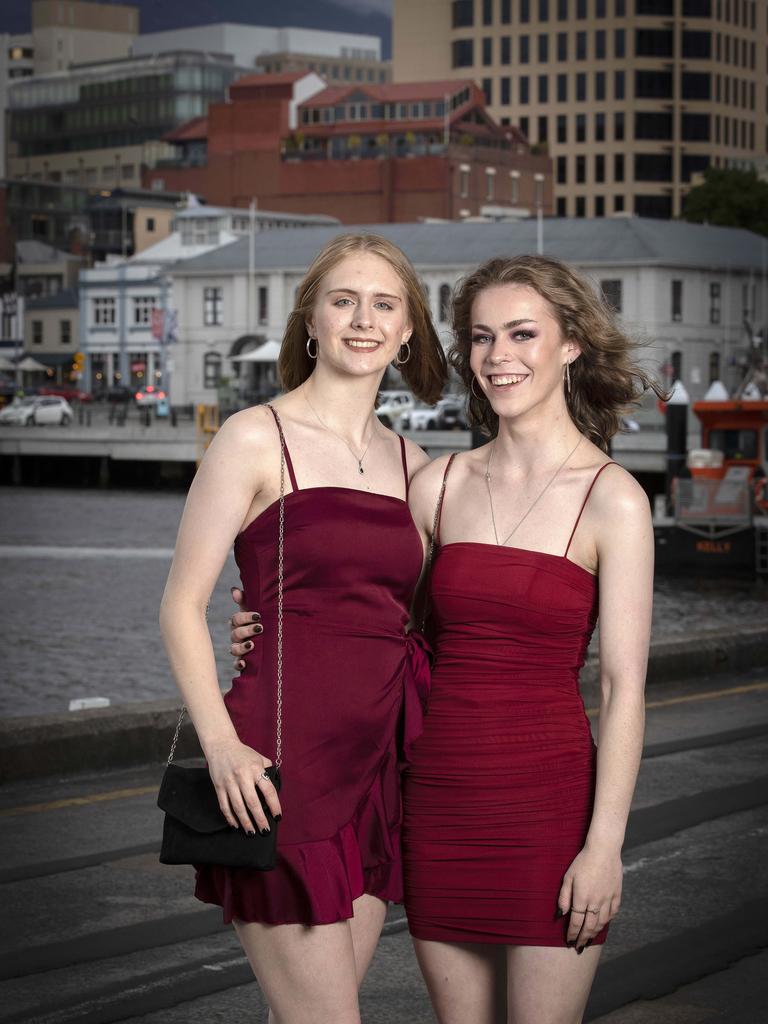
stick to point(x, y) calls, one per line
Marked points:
point(195, 831)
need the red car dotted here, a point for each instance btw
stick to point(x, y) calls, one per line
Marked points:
point(69, 391)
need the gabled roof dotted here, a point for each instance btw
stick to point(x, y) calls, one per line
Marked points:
point(608, 242)
point(197, 128)
point(33, 251)
point(271, 78)
point(392, 92)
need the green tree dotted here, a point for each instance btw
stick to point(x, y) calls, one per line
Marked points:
point(729, 198)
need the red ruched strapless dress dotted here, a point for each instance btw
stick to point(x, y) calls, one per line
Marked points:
point(498, 796)
point(354, 685)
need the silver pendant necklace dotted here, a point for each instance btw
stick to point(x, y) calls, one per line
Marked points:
point(358, 458)
point(535, 501)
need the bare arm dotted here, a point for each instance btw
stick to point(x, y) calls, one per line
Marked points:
point(221, 495)
point(625, 551)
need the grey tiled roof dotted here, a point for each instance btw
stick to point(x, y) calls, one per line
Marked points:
point(598, 242)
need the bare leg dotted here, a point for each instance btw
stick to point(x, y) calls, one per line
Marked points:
point(549, 985)
point(310, 975)
point(465, 982)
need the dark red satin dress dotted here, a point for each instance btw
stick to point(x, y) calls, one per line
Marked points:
point(353, 691)
point(499, 793)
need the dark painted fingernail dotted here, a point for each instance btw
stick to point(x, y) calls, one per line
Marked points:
point(265, 831)
point(241, 665)
point(580, 951)
point(249, 645)
point(255, 617)
point(560, 913)
point(250, 832)
point(278, 817)
point(258, 629)
point(571, 943)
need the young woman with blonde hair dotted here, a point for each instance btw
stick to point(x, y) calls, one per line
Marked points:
point(352, 559)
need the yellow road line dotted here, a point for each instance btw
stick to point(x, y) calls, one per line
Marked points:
point(125, 794)
point(79, 801)
point(693, 697)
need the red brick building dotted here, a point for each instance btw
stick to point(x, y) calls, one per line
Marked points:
point(362, 153)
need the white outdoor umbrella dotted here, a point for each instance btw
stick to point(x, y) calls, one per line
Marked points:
point(6, 365)
point(266, 353)
point(30, 365)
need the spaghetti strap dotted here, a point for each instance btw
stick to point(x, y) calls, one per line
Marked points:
point(289, 464)
point(405, 465)
point(584, 503)
point(439, 509)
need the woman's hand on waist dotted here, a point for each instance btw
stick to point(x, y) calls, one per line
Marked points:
point(590, 893)
point(245, 627)
point(237, 773)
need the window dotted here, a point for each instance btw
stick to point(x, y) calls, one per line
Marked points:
point(525, 11)
point(525, 49)
point(697, 45)
point(581, 127)
point(562, 170)
point(488, 90)
point(676, 299)
point(487, 51)
point(618, 167)
point(211, 369)
point(697, 85)
point(653, 167)
point(581, 206)
point(543, 49)
point(523, 89)
point(654, 42)
point(581, 46)
point(653, 125)
point(487, 12)
point(490, 183)
point(599, 127)
point(618, 126)
point(523, 125)
point(506, 12)
point(65, 332)
point(581, 170)
point(150, 224)
point(735, 444)
point(611, 290)
point(562, 128)
point(514, 186)
point(445, 303)
point(696, 127)
point(581, 86)
point(562, 46)
point(618, 85)
point(505, 83)
point(562, 88)
point(37, 332)
point(543, 10)
point(600, 44)
point(464, 181)
point(581, 9)
point(104, 312)
point(506, 50)
point(600, 167)
point(463, 13)
point(561, 206)
point(212, 303)
point(142, 309)
point(562, 10)
point(463, 53)
point(599, 85)
point(599, 206)
point(714, 302)
point(543, 129)
point(543, 84)
point(263, 304)
point(619, 43)
point(714, 367)
point(653, 85)
point(618, 204)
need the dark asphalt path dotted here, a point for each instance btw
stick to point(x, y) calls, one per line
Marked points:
point(96, 931)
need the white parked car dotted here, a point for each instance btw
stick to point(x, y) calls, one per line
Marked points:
point(392, 405)
point(420, 417)
point(36, 410)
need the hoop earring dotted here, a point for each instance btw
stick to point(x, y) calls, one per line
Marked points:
point(310, 354)
point(567, 377)
point(401, 362)
point(481, 397)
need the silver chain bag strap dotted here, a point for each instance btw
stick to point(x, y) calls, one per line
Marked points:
point(194, 830)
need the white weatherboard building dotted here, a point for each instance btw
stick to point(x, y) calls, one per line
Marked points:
point(686, 289)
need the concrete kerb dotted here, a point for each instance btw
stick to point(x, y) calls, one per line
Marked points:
point(140, 734)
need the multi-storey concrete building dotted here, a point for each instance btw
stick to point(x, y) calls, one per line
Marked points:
point(629, 97)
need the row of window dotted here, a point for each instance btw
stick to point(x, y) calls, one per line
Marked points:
point(648, 42)
point(65, 332)
point(373, 112)
point(336, 72)
point(740, 12)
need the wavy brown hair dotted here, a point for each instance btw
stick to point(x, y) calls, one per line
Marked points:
point(605, 382)
point(426, 370)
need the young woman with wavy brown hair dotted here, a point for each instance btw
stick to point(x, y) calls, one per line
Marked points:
point(351, 670)
point(514, 821)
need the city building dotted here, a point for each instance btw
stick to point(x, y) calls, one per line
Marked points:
point(118, 298)
point(101, 124)
point(629, 97)
point(52, 332)
point(362, 153)
point(683, 290)
point(43, 271)
point(333, 69)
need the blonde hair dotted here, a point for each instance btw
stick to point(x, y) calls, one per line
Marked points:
point(426, 370)
point(605, 382)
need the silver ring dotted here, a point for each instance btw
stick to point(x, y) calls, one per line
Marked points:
point(264, 776)
point(591, 911)
point(575, 911)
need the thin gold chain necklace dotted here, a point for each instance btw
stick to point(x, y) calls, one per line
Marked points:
point(358, 458)
point(536, 500)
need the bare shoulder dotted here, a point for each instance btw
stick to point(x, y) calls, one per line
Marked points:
point(617, 496)
point(416, 456)
point(248, 433)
